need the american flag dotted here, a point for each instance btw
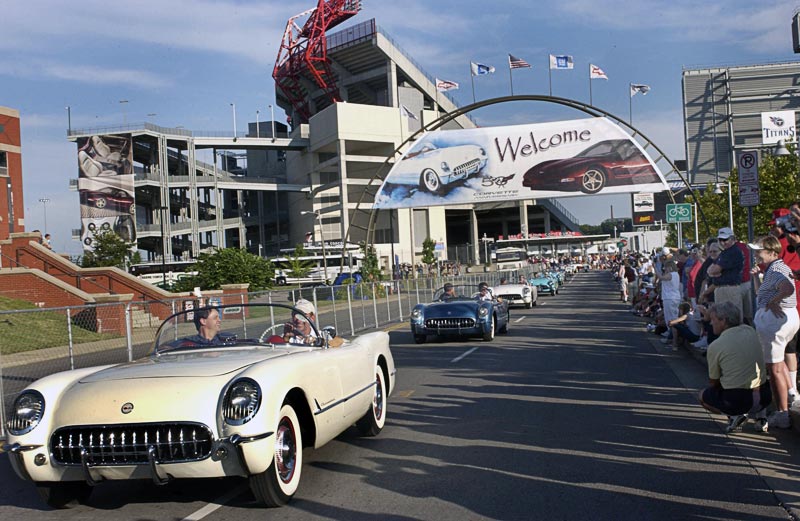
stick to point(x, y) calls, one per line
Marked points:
point(517, 63)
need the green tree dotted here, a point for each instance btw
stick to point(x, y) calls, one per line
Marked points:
point(779, 186)
point(109, 250)
point(370, 269)
point(297, 267)
point(229, 266)
point(428, 248)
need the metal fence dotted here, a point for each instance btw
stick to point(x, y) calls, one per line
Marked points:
point(40, 342)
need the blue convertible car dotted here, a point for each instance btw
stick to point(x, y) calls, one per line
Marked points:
point(460, 311)
point(544, 283)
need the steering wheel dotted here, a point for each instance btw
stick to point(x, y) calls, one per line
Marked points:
point(271, 336)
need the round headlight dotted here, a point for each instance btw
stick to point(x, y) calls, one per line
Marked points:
point(26, 413)
point(416, 313)
point(483, 311)
point(526, 290)
point(241, 402)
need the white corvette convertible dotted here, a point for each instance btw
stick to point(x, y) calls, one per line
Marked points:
point(517, 294)
point(244, 403)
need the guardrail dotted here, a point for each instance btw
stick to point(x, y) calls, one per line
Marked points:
point(69, 338)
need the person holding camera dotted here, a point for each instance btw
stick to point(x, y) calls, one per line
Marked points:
point(783, 227)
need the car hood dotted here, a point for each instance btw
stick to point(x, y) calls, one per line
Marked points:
point(507, 289)
point(201, 363)
point(451, 309)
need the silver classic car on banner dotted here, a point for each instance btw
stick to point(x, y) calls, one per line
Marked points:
point(243, 398)
point(435, 169)
point(460, 311)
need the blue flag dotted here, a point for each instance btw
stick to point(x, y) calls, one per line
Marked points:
point(479, 69)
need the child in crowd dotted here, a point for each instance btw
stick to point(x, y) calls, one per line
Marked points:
point(684, 327)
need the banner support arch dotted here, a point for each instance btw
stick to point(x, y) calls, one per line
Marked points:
point(364, 219)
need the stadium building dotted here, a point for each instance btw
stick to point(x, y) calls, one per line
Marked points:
point(722, 110)
point(181, 192)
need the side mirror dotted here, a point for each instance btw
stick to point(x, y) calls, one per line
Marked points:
point(330, 331)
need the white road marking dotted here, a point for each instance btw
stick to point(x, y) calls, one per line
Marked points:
point(217, 504)
point(456, 359)
point(520, 319)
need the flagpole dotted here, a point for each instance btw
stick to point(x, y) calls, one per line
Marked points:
point(550, 74)
point(510, 77)
point(472, 79)
point(630, 104)
point(590, 87)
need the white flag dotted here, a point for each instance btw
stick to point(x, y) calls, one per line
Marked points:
point(561, 61)
point(445, 85)
point(407, 112)
point(596, 73)
point(479, 69)
point(638, 87)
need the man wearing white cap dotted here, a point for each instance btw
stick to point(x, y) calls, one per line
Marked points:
point(299, 330)
point(726, 272)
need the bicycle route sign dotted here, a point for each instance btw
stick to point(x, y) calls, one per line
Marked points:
point(679, 213)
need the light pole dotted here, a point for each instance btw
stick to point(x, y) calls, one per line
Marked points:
point(258, 127)
point(718, 191)
point(233, 109)
point(69, 120)
point(272, 118)
point(163, 249)
point(44, 202)
point(124, 104)
point(322, 237)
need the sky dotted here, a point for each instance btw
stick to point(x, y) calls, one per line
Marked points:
point(183, 62)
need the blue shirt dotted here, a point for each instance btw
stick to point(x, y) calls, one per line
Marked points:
point(731, 261)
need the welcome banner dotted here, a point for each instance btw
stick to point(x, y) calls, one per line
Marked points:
point(557, 159)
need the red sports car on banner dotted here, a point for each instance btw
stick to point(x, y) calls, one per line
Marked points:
point(607, 163)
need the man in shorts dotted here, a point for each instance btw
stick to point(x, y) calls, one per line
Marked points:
point(736, 370)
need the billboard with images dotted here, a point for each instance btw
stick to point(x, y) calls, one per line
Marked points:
point(105, 187)
point(558, 159)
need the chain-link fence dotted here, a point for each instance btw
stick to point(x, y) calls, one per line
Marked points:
point(40, 342)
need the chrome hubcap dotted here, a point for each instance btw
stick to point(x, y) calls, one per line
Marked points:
point(285, 450)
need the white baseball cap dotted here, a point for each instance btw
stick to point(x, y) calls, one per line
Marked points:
point(305, 306)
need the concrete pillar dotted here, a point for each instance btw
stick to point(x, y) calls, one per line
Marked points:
point(523, 219)
point(546, 214)
point(344, 223)
point(473, 236)
point(391, 95)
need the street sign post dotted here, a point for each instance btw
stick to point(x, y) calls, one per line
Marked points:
point(679, 213)
point(747, 160)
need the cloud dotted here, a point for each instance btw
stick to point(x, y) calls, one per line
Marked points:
point(760, 26)
point(250, 31)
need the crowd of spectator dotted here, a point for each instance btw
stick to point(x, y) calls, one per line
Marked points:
point(743, 318)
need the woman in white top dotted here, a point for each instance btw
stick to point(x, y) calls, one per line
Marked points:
point(670, 291)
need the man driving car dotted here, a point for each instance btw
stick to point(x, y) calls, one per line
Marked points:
point(300, 331)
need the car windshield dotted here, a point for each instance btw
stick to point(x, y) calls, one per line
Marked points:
point(228, 326)
point(603, 148)
point(427, 147)
point(468, 292)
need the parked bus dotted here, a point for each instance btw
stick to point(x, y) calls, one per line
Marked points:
point(511, 258)
point(170, 272)
point(315, 261)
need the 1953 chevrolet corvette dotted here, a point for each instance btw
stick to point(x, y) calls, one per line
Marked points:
point(245, 404)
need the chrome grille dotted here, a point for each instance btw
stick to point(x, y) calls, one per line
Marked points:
point(449, 323)
point(511, 296)
point(127, 444)
point(469, 166)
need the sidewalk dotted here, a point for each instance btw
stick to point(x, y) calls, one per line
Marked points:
point(774, 455)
